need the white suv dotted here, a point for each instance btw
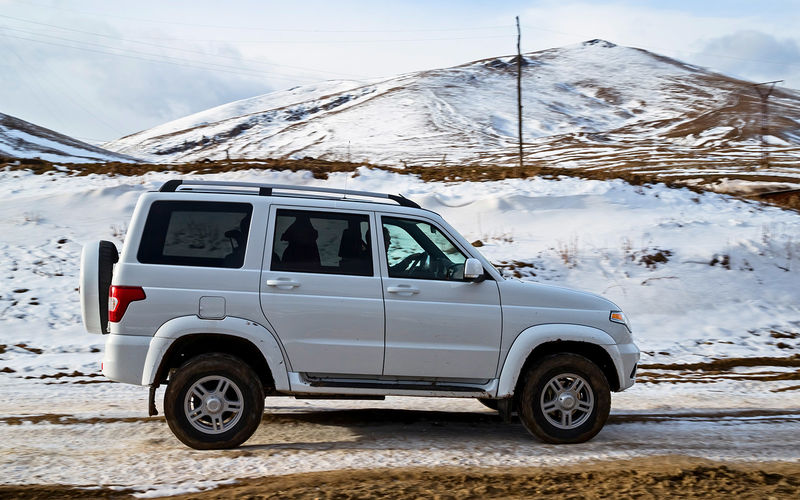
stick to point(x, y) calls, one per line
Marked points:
point(230, 292)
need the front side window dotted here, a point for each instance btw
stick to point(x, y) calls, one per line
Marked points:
point(321, 242)
point(416, 249)
point(195, 233)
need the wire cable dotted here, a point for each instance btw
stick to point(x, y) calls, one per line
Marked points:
point(174, 48)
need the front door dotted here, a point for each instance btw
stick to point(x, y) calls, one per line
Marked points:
point(321, 290)
point(437, 324)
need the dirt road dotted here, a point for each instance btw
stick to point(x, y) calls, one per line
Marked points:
point(727, 437)
point(645, 478)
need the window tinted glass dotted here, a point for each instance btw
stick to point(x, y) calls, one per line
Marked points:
point(321, 242)
point(194, 233)
point(416, 249)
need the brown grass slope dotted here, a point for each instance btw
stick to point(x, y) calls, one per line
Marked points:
point(321, 169)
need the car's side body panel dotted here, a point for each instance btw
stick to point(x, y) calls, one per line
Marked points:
point(330, 323)
point(437, 327)
point(175, 290)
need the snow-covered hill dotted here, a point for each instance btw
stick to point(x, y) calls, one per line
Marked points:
point(21, 139)
point(578, 100)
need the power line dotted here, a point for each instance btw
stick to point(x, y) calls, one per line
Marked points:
point(168, 47)
point(162, 58)
point(286, 42)
point(329, 42)
point(253, 28)
point(53, 108)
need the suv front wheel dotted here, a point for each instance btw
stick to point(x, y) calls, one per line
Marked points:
point(214, 401)
point(565, 399)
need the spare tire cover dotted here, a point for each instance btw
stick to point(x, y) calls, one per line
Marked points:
point(97, 267)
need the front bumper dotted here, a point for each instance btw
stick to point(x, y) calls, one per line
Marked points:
point(625, 357)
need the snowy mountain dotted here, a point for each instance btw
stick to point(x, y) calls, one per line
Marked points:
point(576, 99)
point(21, 139)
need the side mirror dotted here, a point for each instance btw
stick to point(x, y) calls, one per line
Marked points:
point(473, 270)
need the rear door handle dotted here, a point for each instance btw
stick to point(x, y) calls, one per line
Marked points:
point(402, 289)
point(283, 283)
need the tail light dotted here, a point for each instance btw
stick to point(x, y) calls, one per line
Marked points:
point(118, 299)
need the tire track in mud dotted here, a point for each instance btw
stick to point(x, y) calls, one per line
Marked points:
point(384, 417)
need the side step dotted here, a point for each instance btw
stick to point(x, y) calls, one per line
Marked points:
point(350, 397)
point(394, 385)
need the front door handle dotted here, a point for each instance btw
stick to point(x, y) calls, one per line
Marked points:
point(402, 289)
point(283, 283)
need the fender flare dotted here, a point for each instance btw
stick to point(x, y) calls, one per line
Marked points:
point(258, 335)
point(533, 337)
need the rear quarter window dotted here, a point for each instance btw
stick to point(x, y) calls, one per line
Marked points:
point(195, 233)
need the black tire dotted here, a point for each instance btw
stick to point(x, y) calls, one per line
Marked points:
point(568, 415)
point(244, 388)
point(107, 256)
point(489, 403)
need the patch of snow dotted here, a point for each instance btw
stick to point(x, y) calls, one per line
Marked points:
point(729, 282)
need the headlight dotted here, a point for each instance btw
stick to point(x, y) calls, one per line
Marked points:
point(619, 317)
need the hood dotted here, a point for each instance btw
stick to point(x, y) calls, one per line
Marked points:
point(527, 293)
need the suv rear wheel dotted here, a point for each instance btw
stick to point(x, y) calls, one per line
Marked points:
point(565, 399)
point(214, 401)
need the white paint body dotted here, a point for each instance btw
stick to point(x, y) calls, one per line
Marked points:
point(352, 335)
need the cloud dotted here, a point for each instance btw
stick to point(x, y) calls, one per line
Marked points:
point(753, 55)
point(90, 93)
point(731, 41)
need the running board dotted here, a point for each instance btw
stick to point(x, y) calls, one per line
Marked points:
point(405, 386)
point(350, 397)
point(302, 385)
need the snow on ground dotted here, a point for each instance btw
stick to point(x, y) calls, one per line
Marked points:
point(702, 277)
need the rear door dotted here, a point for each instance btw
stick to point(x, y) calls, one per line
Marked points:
point(437, 324)
point(321, 290)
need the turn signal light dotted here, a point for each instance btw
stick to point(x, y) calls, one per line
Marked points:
point(119, 297)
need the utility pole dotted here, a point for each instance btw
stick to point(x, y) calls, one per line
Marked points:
point(764, 93)
point(519, 91)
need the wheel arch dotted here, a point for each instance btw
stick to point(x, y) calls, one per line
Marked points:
point(181, 339)
point(540, 341)
point(190, 346)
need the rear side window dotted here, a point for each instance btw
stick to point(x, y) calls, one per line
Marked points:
point(195, 233)
point(321, 242)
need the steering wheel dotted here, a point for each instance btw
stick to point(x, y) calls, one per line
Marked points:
point(412, 263)
point(452, 269)
point(443, 268)
point(416, 262)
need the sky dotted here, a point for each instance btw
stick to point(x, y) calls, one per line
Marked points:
point(98, 70)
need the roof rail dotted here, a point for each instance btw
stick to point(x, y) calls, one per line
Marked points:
point(174, 185)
